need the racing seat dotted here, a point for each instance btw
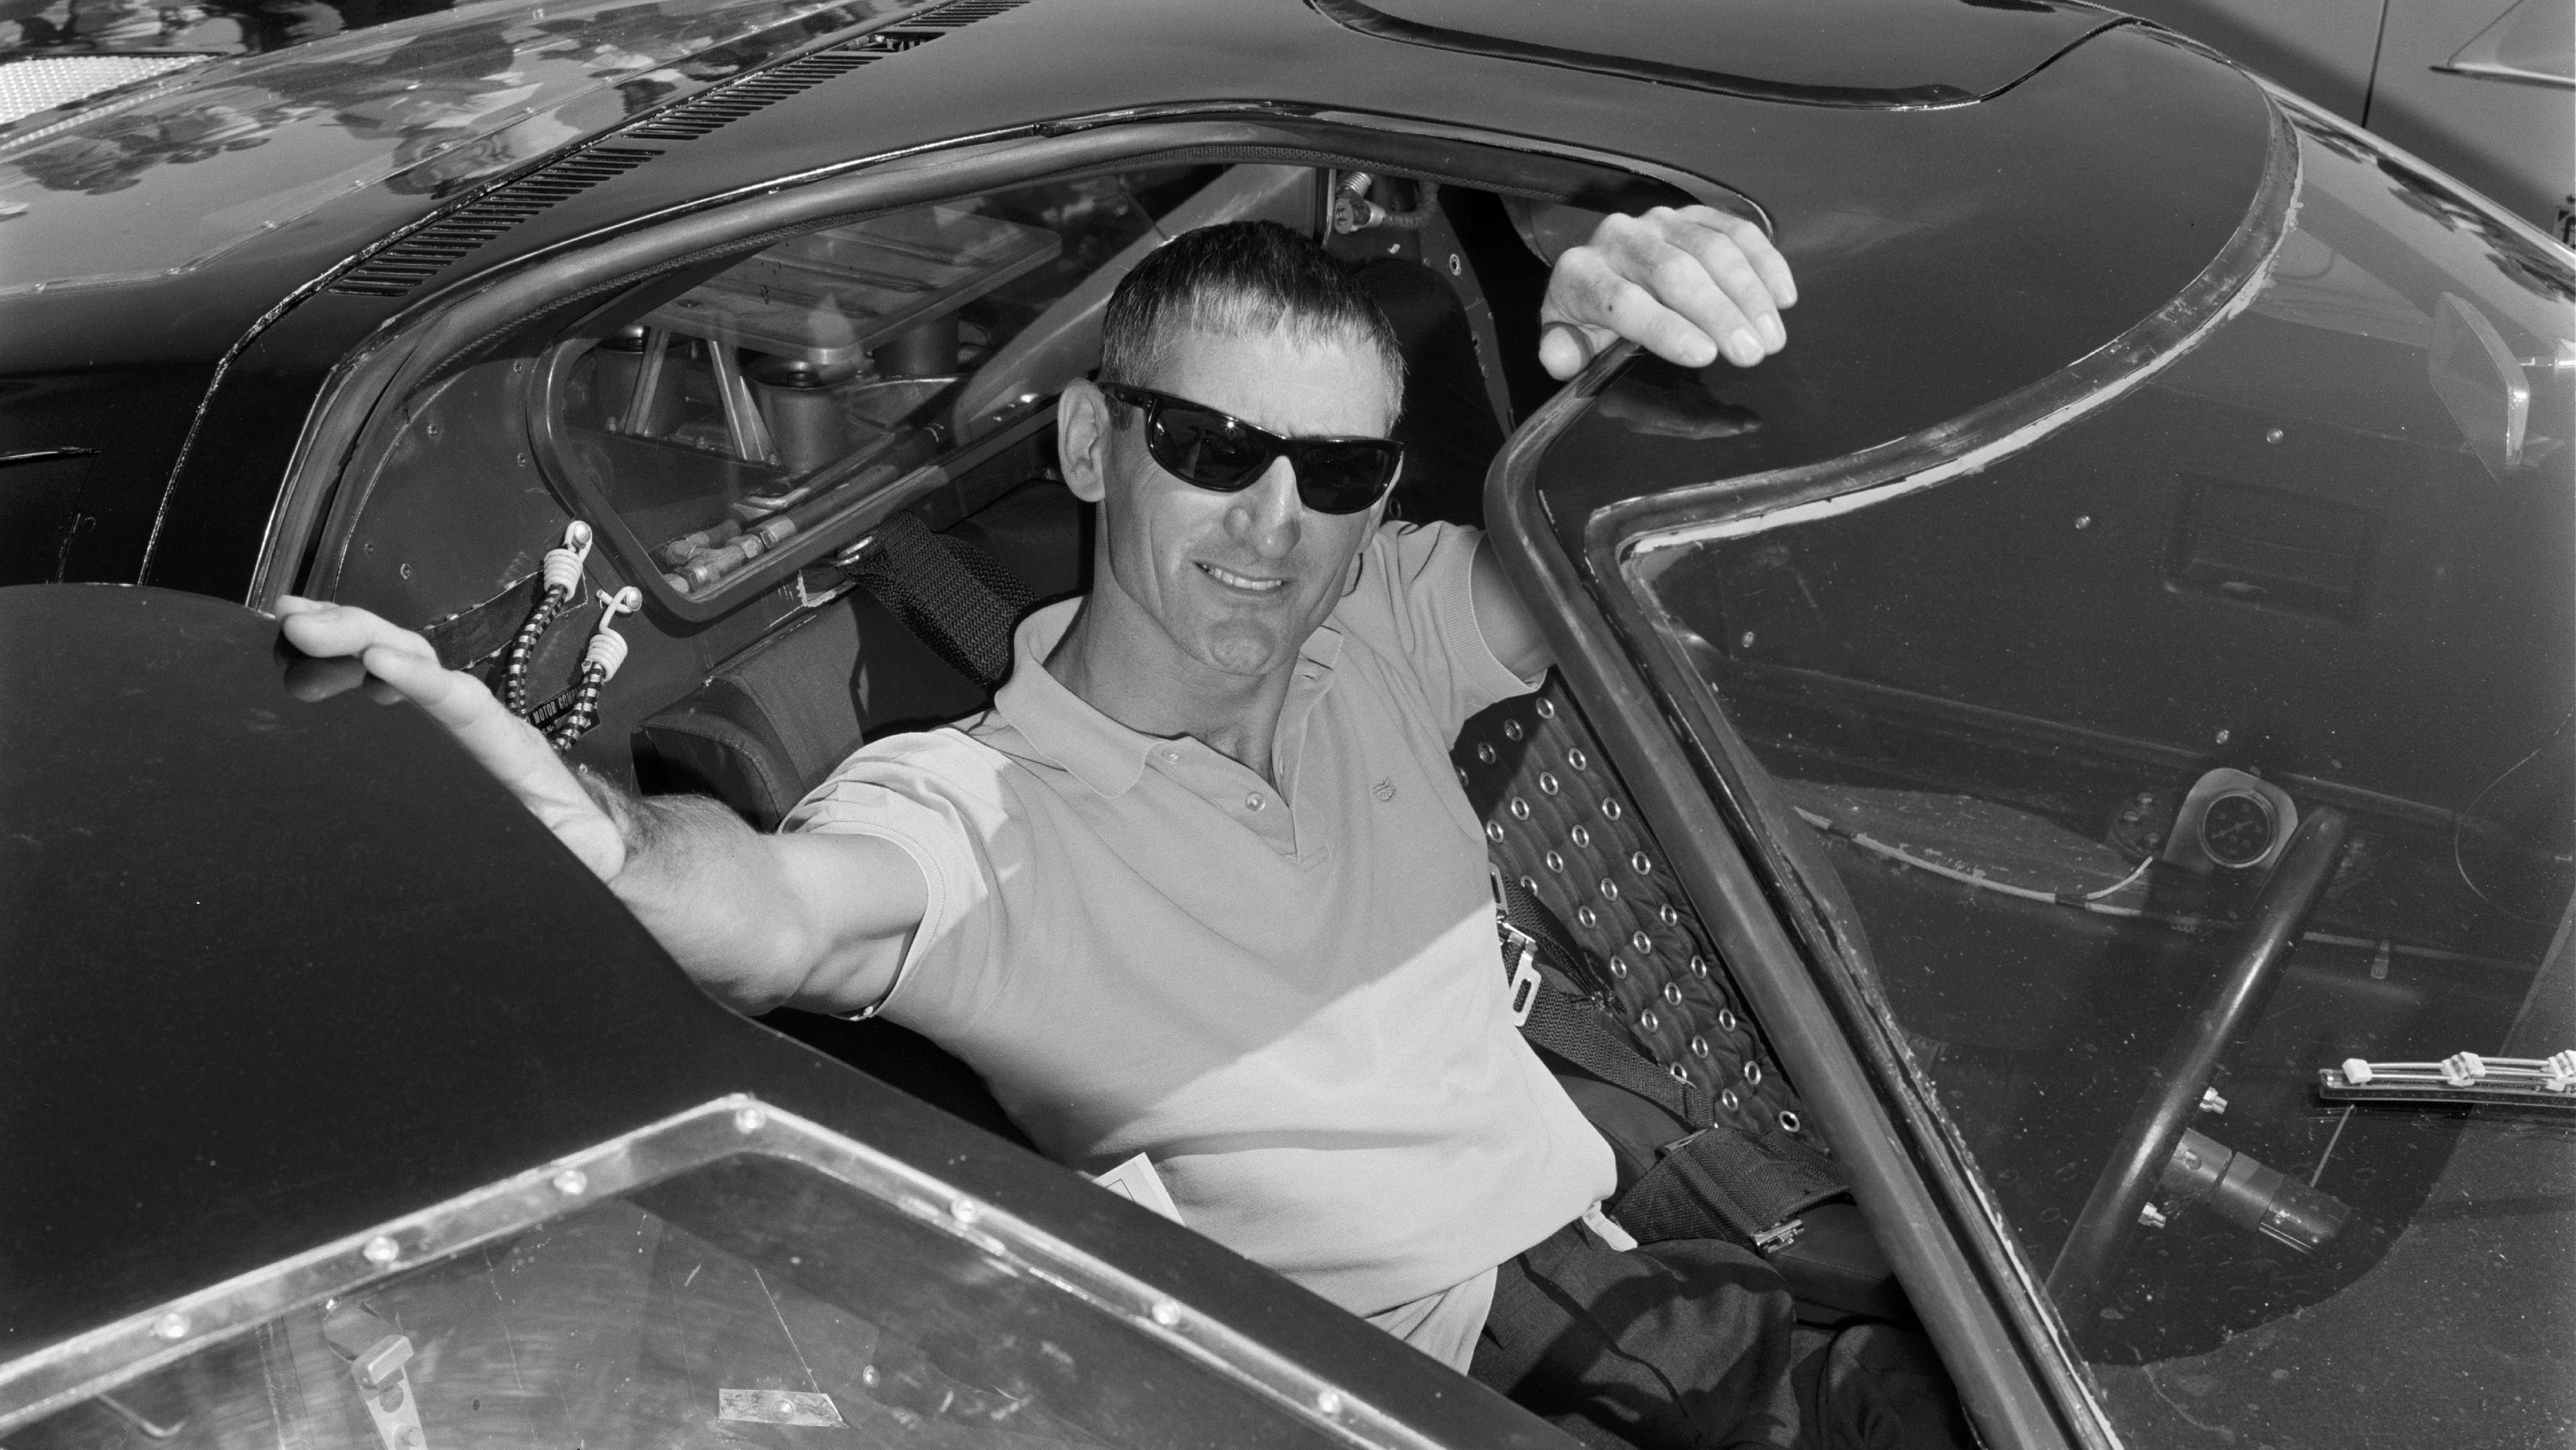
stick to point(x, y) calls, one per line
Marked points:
point(1559, 823)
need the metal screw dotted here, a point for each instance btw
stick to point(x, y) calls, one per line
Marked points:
point(1748, 639)
point(523, 460)
point(965, 1210)
point(2211, 1102)
point(1456, 266)
point(171, 1326)
point(1329, 1403)
point(572, 1183)
point(2150, 1216)
point(2274, 435)
point(432, 431)
point(405, 571)
point(1166, 1313)
point(381, 1250)
point(749, 1120)
point(2222, 737)
point(2083, 522)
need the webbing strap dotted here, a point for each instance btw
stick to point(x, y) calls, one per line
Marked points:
point(1586, 1036)
point(1753, 1183)
point(953, 597)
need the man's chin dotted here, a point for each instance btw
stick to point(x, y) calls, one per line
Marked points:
point(1240, 647)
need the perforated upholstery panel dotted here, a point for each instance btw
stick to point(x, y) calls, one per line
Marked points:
point(1558, 819)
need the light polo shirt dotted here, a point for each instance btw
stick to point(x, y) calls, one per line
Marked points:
point(1288, 998)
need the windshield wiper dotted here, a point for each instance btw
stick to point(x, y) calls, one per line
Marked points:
point(2463, 1077)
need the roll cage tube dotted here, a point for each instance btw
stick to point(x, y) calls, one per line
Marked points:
point(2296, 883)
point(2013, 1374)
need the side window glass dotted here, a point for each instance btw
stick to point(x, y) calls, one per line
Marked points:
point(723, 431)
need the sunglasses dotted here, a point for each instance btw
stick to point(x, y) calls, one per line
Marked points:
point(1197, 444)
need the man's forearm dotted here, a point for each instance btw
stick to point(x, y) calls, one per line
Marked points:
point(760, 920)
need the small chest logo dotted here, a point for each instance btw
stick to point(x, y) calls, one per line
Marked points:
point(1384, 790)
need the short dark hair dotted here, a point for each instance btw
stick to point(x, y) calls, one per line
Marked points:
point(1233, 279)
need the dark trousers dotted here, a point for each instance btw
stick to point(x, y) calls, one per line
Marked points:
point(1692, 1343)
point(1684, 1343)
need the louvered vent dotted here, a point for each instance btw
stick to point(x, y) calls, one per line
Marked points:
point(694, 118)
point(425, 253)
point(398, 269)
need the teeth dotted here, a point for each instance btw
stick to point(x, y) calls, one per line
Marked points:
point(1224, 576)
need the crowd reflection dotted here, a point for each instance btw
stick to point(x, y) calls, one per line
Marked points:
point(456, 103)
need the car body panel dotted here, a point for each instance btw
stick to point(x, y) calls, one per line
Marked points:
point(280, 971)
point(1932, 55)
point(2395, 68)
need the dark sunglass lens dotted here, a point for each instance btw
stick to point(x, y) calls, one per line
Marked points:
point(1208, 448)
point(1345, 477)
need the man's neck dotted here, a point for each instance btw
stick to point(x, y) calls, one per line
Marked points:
point(1166, 693)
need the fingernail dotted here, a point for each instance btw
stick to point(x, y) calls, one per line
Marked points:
point(1773, 334)
point(1743, 348)
point(1699, 352)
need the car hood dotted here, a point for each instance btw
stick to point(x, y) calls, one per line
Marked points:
point(176, 168)
point(1921, 53)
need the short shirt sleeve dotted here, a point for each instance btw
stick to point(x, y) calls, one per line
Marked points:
point(1416, 601)
point(938, 796)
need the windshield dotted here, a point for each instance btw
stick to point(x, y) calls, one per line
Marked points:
point(752, 1301)
point(2155, 771)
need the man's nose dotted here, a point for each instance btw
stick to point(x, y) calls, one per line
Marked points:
point(1268, 515)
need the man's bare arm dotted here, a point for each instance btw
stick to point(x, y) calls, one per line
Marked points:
point(818, 920)
point(1689, 285)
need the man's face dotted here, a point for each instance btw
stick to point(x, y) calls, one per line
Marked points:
point(1237, 581)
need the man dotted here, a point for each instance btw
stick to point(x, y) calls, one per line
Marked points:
point(1202, 884)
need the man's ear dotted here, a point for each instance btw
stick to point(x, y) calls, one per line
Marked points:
point(1082, 427)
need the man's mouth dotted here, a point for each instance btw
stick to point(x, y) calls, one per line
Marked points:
point(1244, 582)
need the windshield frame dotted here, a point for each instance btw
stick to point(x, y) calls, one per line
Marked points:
point(732, 1126)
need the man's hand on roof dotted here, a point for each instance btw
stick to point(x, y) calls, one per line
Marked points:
point(1690, 285)
point(402, 665)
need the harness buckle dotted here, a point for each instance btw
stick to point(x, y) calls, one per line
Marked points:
point(1521, 975)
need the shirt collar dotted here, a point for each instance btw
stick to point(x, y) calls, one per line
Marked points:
point(1063, 728)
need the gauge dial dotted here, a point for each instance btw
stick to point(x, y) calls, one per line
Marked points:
point(2237, 829)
